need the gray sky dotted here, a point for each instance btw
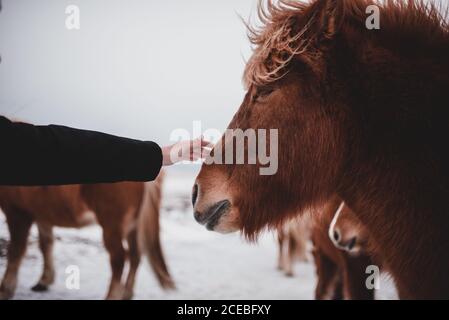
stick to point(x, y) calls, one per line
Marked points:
point(136, 68)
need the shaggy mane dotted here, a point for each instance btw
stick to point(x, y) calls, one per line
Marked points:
point(276, 42)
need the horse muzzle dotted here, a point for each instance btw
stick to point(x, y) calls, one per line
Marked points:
point(349, 245)
point(211, 216)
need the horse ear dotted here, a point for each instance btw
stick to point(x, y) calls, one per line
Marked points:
point(323, 22)
point(328, 17)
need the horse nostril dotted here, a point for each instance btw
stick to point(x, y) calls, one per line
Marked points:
point(351, 243)
point(194, 194)
point(336, 235)
point(197, 216)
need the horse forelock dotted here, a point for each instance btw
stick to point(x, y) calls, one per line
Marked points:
point(274, 43)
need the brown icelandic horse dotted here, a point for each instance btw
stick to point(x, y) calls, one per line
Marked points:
point(341, 273)
point(360, 113)
point(348, 233)
point(125, 211)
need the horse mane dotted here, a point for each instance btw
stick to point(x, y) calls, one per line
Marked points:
point(278, 40)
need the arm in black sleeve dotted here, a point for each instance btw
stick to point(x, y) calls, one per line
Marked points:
point(56, 155)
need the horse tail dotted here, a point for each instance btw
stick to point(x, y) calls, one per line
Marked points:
point(148, 231)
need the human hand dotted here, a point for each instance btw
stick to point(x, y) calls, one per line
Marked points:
point(190, 150)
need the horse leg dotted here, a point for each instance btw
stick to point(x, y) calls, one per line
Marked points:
point(113, 242)
point(337, 289)
point(19, 224)
point(46, 247)
point(291, 241)
point(134, 260)
point(354, 278)
point(328, 285)
point(301, 251)
point(281, 239)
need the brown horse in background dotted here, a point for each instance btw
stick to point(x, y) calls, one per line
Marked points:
point(293, 237)
point(341, 274)
point(360, 113)
point(347, 232)
point(125, 211)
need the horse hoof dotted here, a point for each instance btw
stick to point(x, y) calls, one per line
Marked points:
point(289, 274)
point(128, 295)
point(6, 295)
point(40, 287)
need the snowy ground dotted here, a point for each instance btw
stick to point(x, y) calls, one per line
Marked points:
point(205, 265)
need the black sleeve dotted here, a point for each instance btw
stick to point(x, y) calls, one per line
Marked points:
point(57, 155)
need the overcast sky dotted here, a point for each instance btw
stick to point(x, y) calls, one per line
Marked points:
point(136, 68)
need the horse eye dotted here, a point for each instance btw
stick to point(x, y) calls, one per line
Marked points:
point(262, 93)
